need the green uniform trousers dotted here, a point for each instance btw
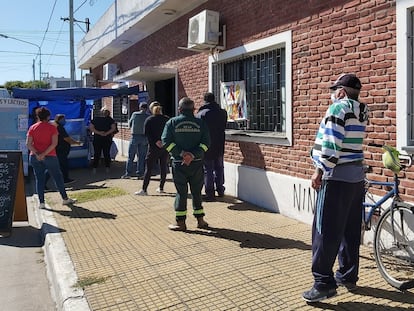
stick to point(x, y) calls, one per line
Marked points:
point(192, 175)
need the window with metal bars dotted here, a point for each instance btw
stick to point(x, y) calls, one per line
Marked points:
point(410, 70)
point(264, 74)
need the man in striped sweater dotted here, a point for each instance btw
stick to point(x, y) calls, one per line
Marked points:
point(339, 180)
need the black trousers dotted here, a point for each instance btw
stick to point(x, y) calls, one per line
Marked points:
point(336, 232)
point(101, 144)
point(62, 155)
point(153, 155)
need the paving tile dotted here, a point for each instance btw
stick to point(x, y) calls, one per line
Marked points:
point(250, 259)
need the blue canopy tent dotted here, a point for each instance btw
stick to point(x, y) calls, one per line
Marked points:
point(76, 104)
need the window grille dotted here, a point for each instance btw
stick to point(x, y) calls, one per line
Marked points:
point(410, 107)
point(265, 78)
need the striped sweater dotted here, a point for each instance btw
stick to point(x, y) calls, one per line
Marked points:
point(340, 135)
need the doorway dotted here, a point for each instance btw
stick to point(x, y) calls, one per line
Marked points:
point(164, 92)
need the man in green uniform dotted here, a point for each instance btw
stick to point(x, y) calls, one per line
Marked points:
point(187, 138)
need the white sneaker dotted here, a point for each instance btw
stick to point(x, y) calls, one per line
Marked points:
point(159, 190)
point(69, 201)
point(42, 205)
point(141, 192)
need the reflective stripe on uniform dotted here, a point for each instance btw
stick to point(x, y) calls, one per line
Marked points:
point(204, 147)
point(180, 213)
point(170, 147)
point(198, 211)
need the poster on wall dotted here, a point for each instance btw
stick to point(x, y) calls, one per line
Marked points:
point(14, 120)
point(143, 97)
point(233, 100)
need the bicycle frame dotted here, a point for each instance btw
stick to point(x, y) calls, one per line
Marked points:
point(393, 193)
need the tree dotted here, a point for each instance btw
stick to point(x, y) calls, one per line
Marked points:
point(26, 85)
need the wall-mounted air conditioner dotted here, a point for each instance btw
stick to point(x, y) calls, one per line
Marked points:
point(88, 80)
point(203, 30)
point(109, 71)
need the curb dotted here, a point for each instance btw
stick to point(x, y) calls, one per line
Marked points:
point(60, 270)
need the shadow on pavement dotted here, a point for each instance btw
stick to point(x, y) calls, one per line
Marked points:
point(243, 206)
point(354, 306)
point(23, 237)
point(252, 239)
point(80, 212)
point(394, 295)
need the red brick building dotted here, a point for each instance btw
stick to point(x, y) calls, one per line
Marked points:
point(288, 53)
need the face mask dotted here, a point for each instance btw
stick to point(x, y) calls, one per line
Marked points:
point(333, 96)
point(62, 122)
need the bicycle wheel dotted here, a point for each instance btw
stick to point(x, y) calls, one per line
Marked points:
point(394, 246)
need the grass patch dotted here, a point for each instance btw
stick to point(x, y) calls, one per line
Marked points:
point(90, 280)
point(92, 195)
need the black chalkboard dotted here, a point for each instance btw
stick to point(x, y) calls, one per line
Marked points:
point(10, 164)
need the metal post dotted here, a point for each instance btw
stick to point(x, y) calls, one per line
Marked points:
point(72, 58)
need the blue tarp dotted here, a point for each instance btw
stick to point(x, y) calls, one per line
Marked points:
point(76, 104)
point(71, 94)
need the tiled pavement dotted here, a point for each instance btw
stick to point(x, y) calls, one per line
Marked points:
point(250, 259)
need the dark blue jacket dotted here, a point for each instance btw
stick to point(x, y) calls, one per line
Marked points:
point(216, 119)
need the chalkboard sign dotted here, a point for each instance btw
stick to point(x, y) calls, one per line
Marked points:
point(10, 186)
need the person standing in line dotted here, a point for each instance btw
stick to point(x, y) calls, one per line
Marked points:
point(216, 119)
point(102, 128)
point(187, 138)
point(138, 145)
point(153, 128)
point(339, 179)
point(63, 147)
point(42, 138)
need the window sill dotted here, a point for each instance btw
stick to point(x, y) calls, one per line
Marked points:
point(408, 149)
point(269, 138)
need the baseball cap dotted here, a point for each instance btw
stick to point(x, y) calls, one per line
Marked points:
point(348, 80)
point(143, 105)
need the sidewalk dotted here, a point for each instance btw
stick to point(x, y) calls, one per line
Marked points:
point(250, 259)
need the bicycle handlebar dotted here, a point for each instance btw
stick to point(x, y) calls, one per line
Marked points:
point(408, 158)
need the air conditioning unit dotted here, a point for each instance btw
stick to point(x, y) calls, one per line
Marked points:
point(203, 30)
point(88, 80)
point(109, 71)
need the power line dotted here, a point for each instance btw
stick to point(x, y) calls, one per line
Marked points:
point(48, 23)
point(79, 6)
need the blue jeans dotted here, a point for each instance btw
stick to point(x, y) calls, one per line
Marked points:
point(214, 176)
point(51, 165)
point(137, 146)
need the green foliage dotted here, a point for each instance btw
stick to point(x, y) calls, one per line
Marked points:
point(26, 85)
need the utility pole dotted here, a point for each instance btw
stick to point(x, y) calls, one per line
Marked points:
point(72, 53)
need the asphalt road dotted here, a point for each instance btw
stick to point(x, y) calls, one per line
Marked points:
point(24, 284)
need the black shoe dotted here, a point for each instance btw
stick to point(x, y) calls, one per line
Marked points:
point(351, 287)
point(209, 198)
point(315, 295)
point(220, 195)
point(69, 181)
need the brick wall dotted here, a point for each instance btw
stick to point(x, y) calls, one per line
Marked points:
point(329, 38)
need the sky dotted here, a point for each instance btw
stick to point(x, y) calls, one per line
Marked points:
point(40, 24)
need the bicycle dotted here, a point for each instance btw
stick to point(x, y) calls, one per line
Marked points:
point(394, 232)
